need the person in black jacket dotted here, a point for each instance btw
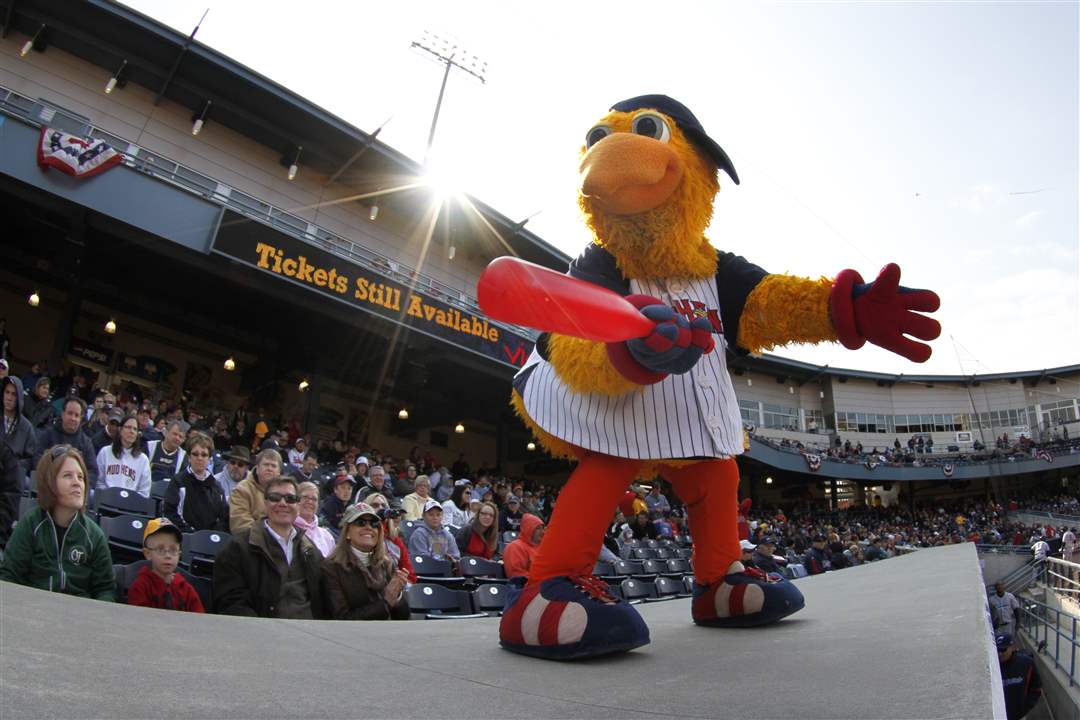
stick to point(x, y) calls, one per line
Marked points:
point(68, 430)
point(194, 499)
point(18, 432)
point(39, 408)
point(817, 558)
point(1019, 678)
point(10, 489)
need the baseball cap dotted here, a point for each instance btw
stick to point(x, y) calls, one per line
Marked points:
point(767, 540)
point(116, 415)
point(161, 525)
point(357, 511)
point(432, 505)
point(512, 499)
point(1003, 641)
point(4, 363)
point(342, 479)
point(462, 481)
point(747, 545)
point(362, 461)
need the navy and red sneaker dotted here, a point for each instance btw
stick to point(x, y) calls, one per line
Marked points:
point(569, 618)
point(745, 597)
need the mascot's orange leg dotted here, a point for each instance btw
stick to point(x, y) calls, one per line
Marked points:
point(726, 594)
point(710, 490)
point(582, 514)
point(562, 612)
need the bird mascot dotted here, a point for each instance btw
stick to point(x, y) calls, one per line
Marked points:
point(663, 403)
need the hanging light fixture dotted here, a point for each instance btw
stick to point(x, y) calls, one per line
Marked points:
point(295, 166)
point(749, 382)
point(230, 364)
point(116, 80)
point(29, 45)
point(768, 481)
point(531, 446)
point(110, 327)
point(451, 252)
point(459, 429)
point(34, 299)
point(200, 119)
point(373, 212)
point(304, 385)
point(403, 414)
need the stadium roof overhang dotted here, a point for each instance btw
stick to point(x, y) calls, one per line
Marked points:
point(801, 373)
point(173, 66)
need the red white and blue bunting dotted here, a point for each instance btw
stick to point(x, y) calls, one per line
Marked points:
point(1045, 455)
point(76, 156)
point(948, 469)
point(813, 461)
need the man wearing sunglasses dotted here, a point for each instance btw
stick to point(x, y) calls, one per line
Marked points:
point(271, 569)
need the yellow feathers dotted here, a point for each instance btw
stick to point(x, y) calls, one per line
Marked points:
point(670, 240)
point(784, 309)
point(584, 367)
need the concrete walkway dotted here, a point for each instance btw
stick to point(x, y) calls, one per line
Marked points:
point(903, 638)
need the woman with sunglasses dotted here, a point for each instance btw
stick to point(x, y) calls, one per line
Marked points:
point(480, 537)
point(194, 499)
point(55, 546)
point(123, 463)
point(361, 581)
point(307, 518)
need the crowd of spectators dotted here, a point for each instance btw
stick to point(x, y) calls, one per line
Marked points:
point(919, 450)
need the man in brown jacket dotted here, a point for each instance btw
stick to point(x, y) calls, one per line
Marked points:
point(271, 569)
point(246, 504)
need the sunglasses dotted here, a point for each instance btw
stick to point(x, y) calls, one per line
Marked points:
point(278, 497)
point(59, 450)
point(367, 522)
point(238, 463)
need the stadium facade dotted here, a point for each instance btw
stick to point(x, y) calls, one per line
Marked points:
point(244, 222)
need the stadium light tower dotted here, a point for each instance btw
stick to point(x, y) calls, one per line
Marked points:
point(448, 53)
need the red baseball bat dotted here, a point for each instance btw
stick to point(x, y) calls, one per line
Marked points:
point(524, 293)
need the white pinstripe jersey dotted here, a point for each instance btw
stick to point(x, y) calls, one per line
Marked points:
point(695, 414)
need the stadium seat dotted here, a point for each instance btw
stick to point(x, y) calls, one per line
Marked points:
point(199, 550)
point(677, 567)
point(602, 569)
point(688, 583)
point(667, 587)
point(157, 493)
point(430, 570)
point(651, 568)
point(643, 553)
point(481, 569)
point(797, 570)
point(436, 602)
point(118, 501)
point(685, 553)
point(509, 536)
point(637, 591)
point(406, 528)
point(490, 599)
point(650, 543)
point(664, 553)
point(634, 543)
point(628, 567)
point(125, 534)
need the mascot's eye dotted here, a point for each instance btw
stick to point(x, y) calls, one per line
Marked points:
point(652, 125)
point(597, 134)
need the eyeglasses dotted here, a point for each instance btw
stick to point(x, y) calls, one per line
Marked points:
point(278, 497)
point(309, 498)
point(59, 450)
point(173, 551)
point(367, 522)
point(238, 463)
point(199, 454)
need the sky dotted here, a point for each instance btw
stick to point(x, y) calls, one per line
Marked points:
point(941, 136)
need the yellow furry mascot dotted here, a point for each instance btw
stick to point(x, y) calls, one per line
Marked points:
point(664, 403)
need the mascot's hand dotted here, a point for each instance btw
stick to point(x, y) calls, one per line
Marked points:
point(882, 312)
point(674, 346)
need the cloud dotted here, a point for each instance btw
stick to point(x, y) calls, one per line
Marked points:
point(1029, 220)
point(978, 199)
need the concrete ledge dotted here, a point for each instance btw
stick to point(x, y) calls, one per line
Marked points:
point(906, 637)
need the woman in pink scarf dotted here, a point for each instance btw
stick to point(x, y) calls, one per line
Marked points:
point(308, 521)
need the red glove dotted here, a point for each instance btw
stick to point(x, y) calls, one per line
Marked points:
point(881, 312)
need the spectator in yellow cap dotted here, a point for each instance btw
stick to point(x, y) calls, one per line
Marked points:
point(158, 584)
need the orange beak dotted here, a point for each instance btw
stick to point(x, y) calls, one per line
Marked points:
point(627, 174)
